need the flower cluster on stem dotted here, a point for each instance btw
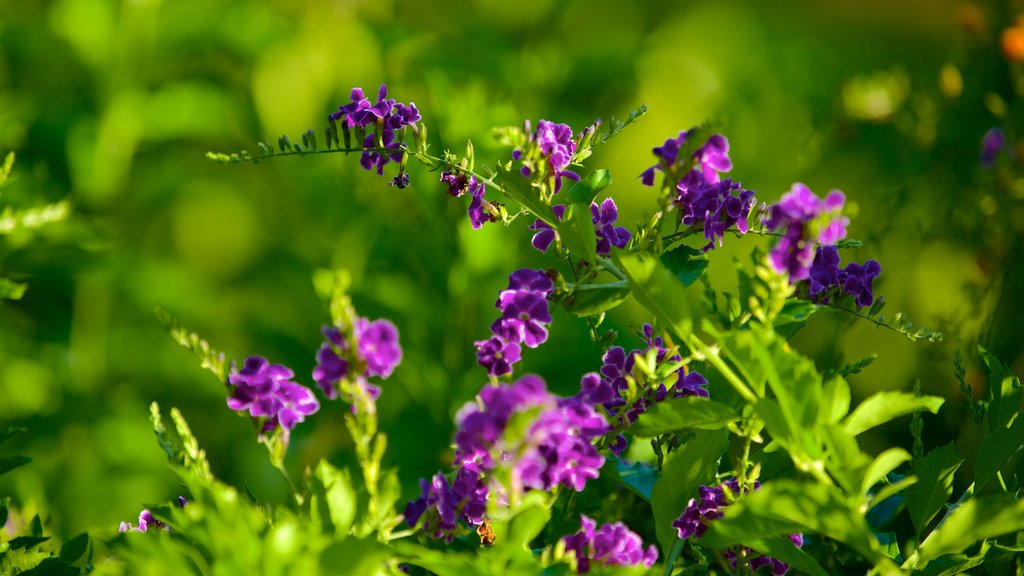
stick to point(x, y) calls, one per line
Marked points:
point(612, 544)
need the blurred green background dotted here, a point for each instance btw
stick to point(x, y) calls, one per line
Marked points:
point(112, 104)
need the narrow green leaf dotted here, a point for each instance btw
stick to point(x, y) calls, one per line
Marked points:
point(995, 450)
point(975, 520)
point(686, 263)
point(885, 406)
point(782, 548)
point(794, 316)
point(26, 542)
point(8, 433)
point(882, 465)
point(935, 484)
point(693, 464)
point(595, 300)
point(75, 548)
point(9, 463)
point(657, 290)
point(586, 190)
point(353, 557)
point(1005, 391)
point(682, 413)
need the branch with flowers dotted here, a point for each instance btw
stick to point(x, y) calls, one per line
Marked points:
point(755, 463)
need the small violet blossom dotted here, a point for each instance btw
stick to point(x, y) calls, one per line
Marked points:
point(991, 144)
point(440, 504)
point(480, 211)
point(707, 507)
point(554, 145)
point(805, 221)
point(376, 349)
point(266, 391)
point(702, 196)
point(855, 279)
point(602, 215)
point(610, 545)
point(148, 521)
point(608, 387)
point(387, 114)
point(525, 315)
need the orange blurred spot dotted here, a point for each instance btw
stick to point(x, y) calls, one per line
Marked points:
point(1013, 43)
point(970, 17)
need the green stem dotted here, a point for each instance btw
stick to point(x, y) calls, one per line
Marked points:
point(713, 358)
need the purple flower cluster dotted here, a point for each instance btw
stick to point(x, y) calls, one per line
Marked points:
point(441, 505)
point(707, 507)
point(991, 143)
point(855, 280)
point(557, 448)
point(387, 114)
point(608, 387)
point(147, 520)
point(376, 351)
point(702, 196)
point(548, 154)
point(266, 391)
point(602, 215)
point(610, 545)
point(805, 221)
point(524, 317)
point(480, 211)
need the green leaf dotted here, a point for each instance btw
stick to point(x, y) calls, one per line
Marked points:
point(586, 190)
point(7, 433)
point(882, 465)
point(354, 557)
point(835, 400)
point(692, 465)
point(1005, 390)
point(512, 184)
point(682, 413)
point(440, 562)
point(11, 290)
point(786, 506)
point(26, 542)
point(657, 290)
point(595, 299)
point(638, 477)
point(686, 263)
point(52, 567)
point(73, 549)
point(9, 463)
point(934, 486)
point(885, 406)
point(332, 499)
point(995, 450)
point(975, 520)
point(577, 232)
point(782, 548)
point(793, 317)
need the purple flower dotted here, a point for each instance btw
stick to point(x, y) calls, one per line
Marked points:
point(378, 346)
point(266, 391)
point(497, 355)
point(702, 197)
point(855, 279)
point(387, 114)
point(555, 142)
point(610, 545)
point(524, 309)
point(440, 505)
point(560, 447)
point(707, 507)
point(608, 235)
point(548, 154)
point(330, 366)
point(806, 221)
point(545, 233)
point(991, 143)
point(481, 423)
